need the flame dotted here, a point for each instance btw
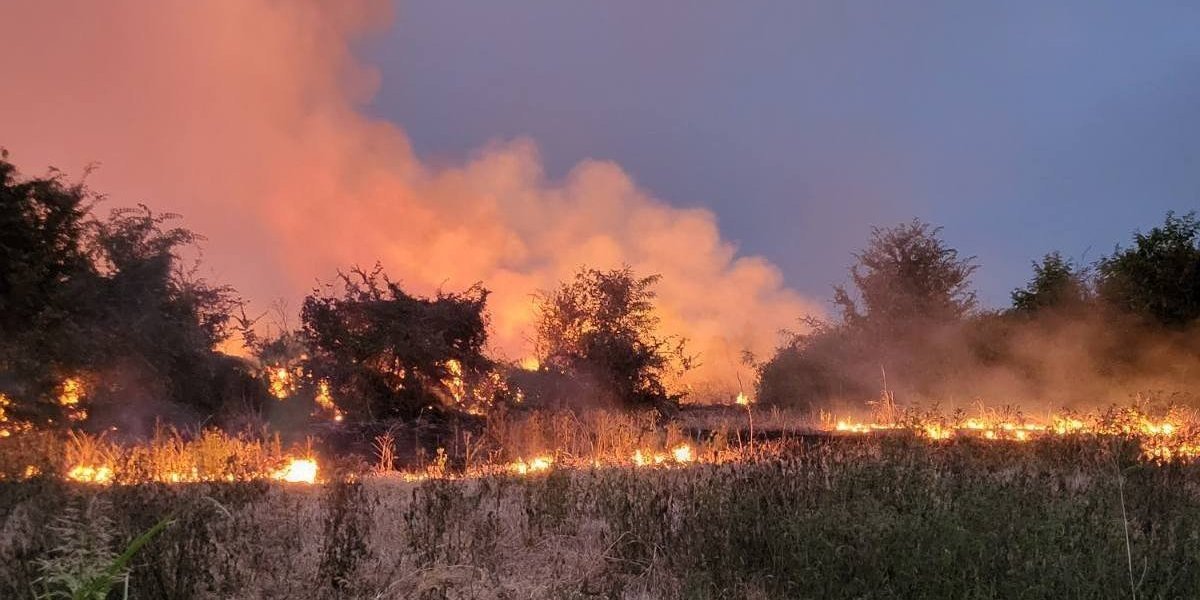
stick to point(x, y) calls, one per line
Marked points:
point(8, 426)
point(298, 470)
point(537, 465)
point(935, 431)
point(325, 403)
point(90, 474)
point(455, 384)
point(530, 363)
point(743, 399)
point(682, 453)
point(281, 382)
point(70, 393)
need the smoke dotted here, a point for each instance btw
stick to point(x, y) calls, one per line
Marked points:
point(1084, 356)
point(244, 116)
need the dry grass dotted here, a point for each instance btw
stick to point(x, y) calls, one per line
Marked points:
point(852, 517)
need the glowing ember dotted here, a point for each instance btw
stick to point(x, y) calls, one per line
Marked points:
point(298, 470)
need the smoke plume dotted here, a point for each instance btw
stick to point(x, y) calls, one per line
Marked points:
point(245, 116)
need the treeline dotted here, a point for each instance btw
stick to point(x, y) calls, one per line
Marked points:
point(102, 325)
point(1124, 327)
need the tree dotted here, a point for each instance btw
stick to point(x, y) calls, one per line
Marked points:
point(48, 288)
point(159, 323)
point(1158, 278)
point(907, 275)
point(601, 329)
point(102, 302)
point(386, 353)
point(911, 295)
point(1056, 283)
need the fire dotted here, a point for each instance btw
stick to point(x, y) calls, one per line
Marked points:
point(530, 363)
point(537, 465)
point(281, 382)
point(90, 474)
point(935, 431)
point(682, 454)
point(1161, 437)
point(743, 399)
point(8, 426)
point(69, 395)
point(856, 427)
point(1163, 429)
point(298, 470)
point(1065, 425)
point(455, 384)
point(325, 403)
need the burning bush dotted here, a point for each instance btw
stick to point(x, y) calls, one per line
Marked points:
point(103, 303)
point(389, 354)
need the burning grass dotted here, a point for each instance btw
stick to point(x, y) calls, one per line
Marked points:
point(851, 516)
point(169, 456)
point(993, 503)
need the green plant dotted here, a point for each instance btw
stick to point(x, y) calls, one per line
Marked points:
point(83, 566)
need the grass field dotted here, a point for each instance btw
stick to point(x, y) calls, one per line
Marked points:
point(856, 517)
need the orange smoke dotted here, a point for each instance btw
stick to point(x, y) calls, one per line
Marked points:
point(244, 116)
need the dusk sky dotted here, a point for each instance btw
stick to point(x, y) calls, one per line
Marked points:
point(1022, 127)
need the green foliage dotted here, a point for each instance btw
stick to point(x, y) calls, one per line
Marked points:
point(1158, 278)
point(1056, 283)
point(601, 330)
point(387, 353)
point(83, 565)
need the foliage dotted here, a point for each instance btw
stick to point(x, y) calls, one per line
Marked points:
point(48, 284)
point(907, 274)
point(1159, 276)
point(601, 329)
point(1056, 283)
point(387, 353)
point(910, 291)
point(83, 565)
point(104, 300)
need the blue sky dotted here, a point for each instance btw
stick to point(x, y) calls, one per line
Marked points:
point(1021, 127)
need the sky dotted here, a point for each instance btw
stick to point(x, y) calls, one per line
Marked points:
point(741, 150)
point(1021, 127)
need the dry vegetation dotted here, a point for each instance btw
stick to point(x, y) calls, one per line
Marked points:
point(886, 515)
